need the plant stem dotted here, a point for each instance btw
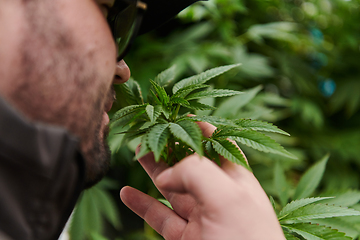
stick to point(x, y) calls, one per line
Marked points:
point(176, 112)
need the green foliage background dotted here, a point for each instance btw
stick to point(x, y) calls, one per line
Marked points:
point(300, 70)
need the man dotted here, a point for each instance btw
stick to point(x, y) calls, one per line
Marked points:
point(56, 72)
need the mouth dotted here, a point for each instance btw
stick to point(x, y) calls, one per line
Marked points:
point(108, 106)
point(111, 97)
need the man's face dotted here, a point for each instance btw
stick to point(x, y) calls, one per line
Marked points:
point(66, 67)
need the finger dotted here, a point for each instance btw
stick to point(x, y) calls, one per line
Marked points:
point(182, 204)
point(151, 167)
point(232, 169)
point(199, 177)
point(161, 218)
point(206, 128)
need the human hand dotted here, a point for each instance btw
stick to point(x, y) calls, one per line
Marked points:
point(209, 202)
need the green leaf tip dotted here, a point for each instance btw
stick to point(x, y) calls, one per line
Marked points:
point(188, 132)
point(230, 151)
point(258, 125)
point(316, 211)
point(292, 206)
point(311, 179)
point(203, 77)
point(157, 139)
point(315, 232)
point(260, 142)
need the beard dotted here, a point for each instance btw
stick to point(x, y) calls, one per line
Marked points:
point(100, 156)
point(59, 85)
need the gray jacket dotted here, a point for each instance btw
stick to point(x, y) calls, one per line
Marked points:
point(41, 177)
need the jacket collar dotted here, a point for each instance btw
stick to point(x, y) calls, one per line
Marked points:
point(41, 176)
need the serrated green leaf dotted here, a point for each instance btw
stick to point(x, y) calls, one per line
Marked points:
point(127, 110)
point(180, 101)
point(136, 116)
point(115, 140)
point(212, 93)
point(157, 139)
point(124, 120)
point(288, 236)
point(280, 184)
point(337, 223)
point(182, 93)
point(215, 120)
point(208, 102)
point(131, 135)
point(199, 106)
point(346, 199)
point(231, 106)
point(257, 125)
point(165, 111)
point(157, 112)
point(311, 179)
point(161, 93)
point(260, 142)
point(150, 112)
point(153, 112)
point(166, 77)
point(211, 153)
point(202, 77)
point(153, 99)
point(133, 132)
point(292, 206)
point(316, 232)
point(188, 132)
point(229, 151)
point(316, 211)
point(129, 93)
point(225, 131)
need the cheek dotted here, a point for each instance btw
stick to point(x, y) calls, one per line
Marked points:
point(11, 23)
point(91, 35)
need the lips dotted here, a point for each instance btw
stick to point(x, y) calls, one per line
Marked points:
point(108, 106)
point(110, 98)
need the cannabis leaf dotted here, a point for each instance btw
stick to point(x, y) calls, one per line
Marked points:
point(314, 218)
point(171, 135)
point(311, 179)
point(296, 204)
point(316, 211)
point(157, 139)
point(202, 77)
point(259, 126)
point(315, 232)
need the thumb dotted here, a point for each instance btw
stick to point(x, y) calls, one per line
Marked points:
point(199, 177)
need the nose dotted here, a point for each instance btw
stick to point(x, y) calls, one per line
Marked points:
point(122, 72)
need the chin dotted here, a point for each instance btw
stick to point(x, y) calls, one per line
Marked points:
point(97, 160)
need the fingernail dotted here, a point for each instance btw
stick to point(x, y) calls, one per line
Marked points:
point(164, 177)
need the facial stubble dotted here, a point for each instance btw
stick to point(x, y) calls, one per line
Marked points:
point(60, 86)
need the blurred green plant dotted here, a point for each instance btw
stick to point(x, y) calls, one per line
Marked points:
point(300, 71)
point(315, 217)
point(171, 136)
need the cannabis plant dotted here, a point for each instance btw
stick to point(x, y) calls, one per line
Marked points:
point(315, 218)
point(171, 134)
point(166, 126)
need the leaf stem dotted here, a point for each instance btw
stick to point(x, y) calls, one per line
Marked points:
point(176, 112)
